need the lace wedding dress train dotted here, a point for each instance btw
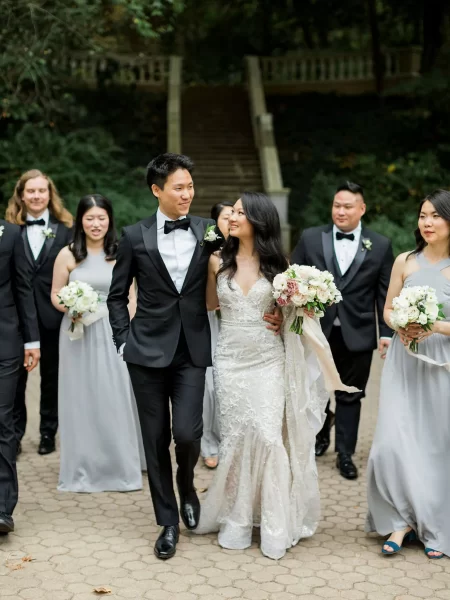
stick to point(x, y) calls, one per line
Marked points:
point(271, 401)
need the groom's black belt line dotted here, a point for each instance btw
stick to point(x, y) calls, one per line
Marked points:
point(342, 236)
point(170, 226)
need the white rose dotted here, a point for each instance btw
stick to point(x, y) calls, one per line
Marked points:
point(423, 319)
point(413, 314)
point(280, 282)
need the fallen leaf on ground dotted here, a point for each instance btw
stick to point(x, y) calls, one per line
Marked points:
point(15, 567)
point(102, 590)
point(27, 559)
point(202, 490)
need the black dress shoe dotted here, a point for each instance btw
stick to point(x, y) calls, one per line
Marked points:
point(47, 445)
point(166, 544)
point(189, 508)
point(6, 523)
point(323, 437)
point(18, 448)
point(346, 466)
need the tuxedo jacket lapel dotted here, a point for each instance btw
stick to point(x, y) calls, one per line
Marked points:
point(329, 255)
point(26, 243)
point(357, 262)
point(150, 236)
point(53, 224)
point(199, 232)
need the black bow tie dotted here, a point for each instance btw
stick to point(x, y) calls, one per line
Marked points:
point(170, 226)
point(36, 222)
point(345, 236)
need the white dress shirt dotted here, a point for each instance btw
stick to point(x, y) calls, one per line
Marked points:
point(176, 249)
point(35, 233)
point(345, 250)
point(36, 239)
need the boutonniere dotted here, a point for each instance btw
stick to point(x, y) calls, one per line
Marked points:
point(367, 244)
point(48, 233)
point(2, 227)
point(210, 235)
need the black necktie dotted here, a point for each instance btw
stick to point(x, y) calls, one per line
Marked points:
point(345, 236)
point(36, 222)
point(170, 226)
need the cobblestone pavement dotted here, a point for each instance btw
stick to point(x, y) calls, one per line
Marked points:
point(65, 545)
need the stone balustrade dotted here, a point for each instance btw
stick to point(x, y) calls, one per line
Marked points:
point(120, 69)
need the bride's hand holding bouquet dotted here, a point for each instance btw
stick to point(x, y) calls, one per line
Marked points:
point(308, 289)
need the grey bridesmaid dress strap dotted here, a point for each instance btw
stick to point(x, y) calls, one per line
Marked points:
point(439, 266)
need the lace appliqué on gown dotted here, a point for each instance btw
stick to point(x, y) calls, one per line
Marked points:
point(271, 404)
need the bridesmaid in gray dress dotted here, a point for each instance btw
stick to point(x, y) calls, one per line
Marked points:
point(101, 447)
point(220, 212)
point(408, 473)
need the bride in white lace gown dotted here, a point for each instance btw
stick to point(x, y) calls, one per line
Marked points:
point(267, 474)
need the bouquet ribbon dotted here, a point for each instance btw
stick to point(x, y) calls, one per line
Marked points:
point(87, 319)
point(319, 343)
point(428, 360)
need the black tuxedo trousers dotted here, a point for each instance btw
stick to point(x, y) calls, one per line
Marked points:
point(48, 367)
point(354, 369)
point(10, 368)
point(183, 384)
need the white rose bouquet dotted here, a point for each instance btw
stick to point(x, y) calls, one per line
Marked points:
point(416, 304)
point(305, 288)
point(78, 298)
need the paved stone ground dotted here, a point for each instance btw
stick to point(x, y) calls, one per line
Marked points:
point(78, 542)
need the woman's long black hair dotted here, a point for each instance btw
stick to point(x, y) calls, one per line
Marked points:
point(440, 199)
point(78, 246)
point(262, 214)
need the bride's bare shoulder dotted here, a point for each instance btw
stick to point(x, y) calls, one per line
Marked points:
point(214, 262)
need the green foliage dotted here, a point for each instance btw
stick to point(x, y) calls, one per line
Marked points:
point(393, 151)
point(82, 162)
point(38, 38)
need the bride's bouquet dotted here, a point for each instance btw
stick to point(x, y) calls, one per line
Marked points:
point(305, 288)
point(416, 304)
point(78, 298)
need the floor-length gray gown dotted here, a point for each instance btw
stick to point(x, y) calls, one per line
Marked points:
point(408, 472)
point(211, 437)
point(100, 439)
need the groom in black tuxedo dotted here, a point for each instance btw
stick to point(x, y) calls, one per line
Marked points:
point(18, 326)
point(361, 262)
point(167, 345)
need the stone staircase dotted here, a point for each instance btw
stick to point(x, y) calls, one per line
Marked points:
point(217, 135)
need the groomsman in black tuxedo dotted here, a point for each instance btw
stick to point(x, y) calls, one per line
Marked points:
point(46, 229)
point(361, 262)
point(167, 346)
point(18, 325)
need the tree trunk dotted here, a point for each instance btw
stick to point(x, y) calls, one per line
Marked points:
point(433, 18)
point(377, 56)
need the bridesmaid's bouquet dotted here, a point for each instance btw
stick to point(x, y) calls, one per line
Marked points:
point(305, 287)
point(416, 304)
point(78, 298)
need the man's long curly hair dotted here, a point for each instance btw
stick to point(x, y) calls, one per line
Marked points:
point(17, 211)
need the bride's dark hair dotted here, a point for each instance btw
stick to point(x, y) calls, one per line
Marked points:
point(262, 214)
point(440, 199)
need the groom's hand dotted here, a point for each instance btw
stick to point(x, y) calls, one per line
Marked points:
point(31, 358)
point(275, 319)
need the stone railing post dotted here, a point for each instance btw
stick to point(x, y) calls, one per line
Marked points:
point(264, 137)
point(174, 105)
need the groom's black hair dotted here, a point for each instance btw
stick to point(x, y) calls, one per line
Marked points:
point(160, 167)
point(349, 186)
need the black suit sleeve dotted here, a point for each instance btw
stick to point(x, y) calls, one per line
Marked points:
point(384, 277)
point(22, 276)
point(123, 274)
point(298, 255)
